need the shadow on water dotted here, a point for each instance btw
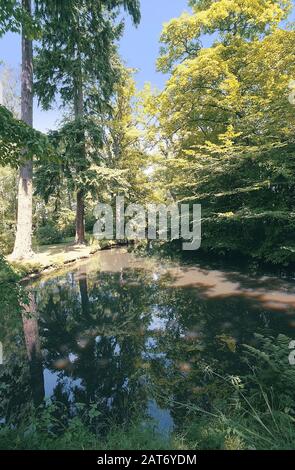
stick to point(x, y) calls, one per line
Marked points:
point(121, 335)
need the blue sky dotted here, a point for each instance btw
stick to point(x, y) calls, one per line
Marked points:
point(139, 49)
point(140, 46)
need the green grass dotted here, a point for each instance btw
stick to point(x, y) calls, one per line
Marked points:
point(243, 430)
point(78, 437)
point(240, 432)
point(242, 427)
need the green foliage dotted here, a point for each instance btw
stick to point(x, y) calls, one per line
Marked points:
point(19, 141)
point(66, 222)
point(229, 126)
point(11, 293)
point(85, 29)
point(249, 20)
point(258, 410)
point(77, 59)
point(124, 139)
point(116, 159)
point(48, 234)
point(247, 197)
point(6, 240)
point(7, 208)
point(13, 17)
point(40, 434)
point(260, 431)
point(272, 371)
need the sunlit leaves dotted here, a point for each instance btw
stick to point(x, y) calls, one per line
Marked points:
point(224, 19)
point(241, 88)
point(228, 124)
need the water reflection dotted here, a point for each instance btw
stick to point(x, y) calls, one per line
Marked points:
point(33, 347)
point(126, 335)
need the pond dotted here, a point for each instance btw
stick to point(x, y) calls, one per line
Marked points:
point(122, 335)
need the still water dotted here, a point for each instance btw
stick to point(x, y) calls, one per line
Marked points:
point(122, 335)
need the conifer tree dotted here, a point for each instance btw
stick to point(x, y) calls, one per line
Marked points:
point(76, 60)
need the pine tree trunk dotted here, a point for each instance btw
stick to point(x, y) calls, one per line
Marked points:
point(23, 241)
point(80, 224)
point(80, 211)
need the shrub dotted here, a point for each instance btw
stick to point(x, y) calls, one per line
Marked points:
point(6, 240)
point(66, 223)
point(48, 234)
point(89, 221)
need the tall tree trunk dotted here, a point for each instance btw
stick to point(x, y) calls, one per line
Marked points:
point(80, 211)
point(23, 241)
point(31, 333)
point(80, 224)
point(69, 200)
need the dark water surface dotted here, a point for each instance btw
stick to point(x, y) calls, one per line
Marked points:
point(121, 335)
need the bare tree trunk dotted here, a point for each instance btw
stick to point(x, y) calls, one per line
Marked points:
point(23, 241)
point(80, 224)
point(70, 200)
point(31, 333)
point(80, 211)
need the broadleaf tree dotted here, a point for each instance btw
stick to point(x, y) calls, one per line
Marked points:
point(17, 16)
point(226, 116)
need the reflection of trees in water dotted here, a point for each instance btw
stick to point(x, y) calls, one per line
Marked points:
point(21, 376)
point(33, 347)
point(202, 332)
point(15, 388)
point(95, 332)
point(107, 337)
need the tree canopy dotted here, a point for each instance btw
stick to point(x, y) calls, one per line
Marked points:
point(19, 141)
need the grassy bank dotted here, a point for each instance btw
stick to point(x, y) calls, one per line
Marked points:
point(78, 437)
point(53, 257)
point(270, 430)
